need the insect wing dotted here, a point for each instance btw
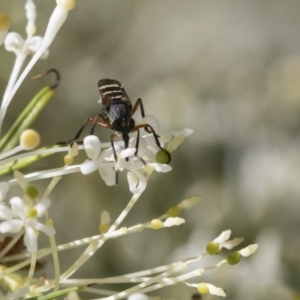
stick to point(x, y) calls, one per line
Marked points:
point(111, 90)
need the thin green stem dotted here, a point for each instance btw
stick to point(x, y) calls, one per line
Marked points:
point(55, 262)
point(31, 270)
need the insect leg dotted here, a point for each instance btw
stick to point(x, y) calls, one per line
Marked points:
point(95, 122)
point(137, 142)
point(139, 103)
point(151, 130)
point(112, 137)
point(137, 146)
point(76, 137)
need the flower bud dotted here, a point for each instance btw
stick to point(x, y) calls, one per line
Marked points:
point(212, 248)
point(203, 289)
point(162, 157)
point(104, 222)
point(233, 258)
point(156, 224)
point(68, 160)
point(29, 139)
point(32, 192)
point(31, 16)
point(173, 211)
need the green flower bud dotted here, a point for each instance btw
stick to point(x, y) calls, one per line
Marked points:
point(32, 192)
point(162, 157)
point(173, 211)
point(233, 258)
point(212, 248)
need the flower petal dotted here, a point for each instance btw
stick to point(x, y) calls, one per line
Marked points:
point(174, 143)
point(107, 155)
point(127, 152)
point(42, 206)
point(166, 137)
point(34, 44)
point(248, 250)
point(189, 202)
point(232, 243)
point(30, 239)
point(137, 182)
point(151, 120)
point(5, 213)
point(223, 237)
point(186, 132)
point(164, 168)
point(204, 287)
point(137, 163)
point(92, 146)
point(89, 166)
point(17, 206)
point(213, 290)
point(49, 230)
point(142, 149)
point(173, 222)
point(13, 42)
point(12, 226)
point(108, 174)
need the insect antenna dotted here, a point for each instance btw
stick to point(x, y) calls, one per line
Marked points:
point(56, 82)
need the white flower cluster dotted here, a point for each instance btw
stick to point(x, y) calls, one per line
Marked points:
point(22, 216)
point(138, 162)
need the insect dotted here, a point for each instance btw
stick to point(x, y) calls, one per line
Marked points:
point(116, 114)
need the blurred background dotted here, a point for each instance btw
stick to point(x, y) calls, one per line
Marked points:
point(229, 70)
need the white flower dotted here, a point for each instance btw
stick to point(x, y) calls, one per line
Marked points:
point(147, 151)
point(107, 166)
point(139, 162)
point(92, 146)
point(223, 237)
point(137, 182)
point(223, 241)
point(34, 44)
point(175, 138)
point(25, 215)
point(15, 43)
